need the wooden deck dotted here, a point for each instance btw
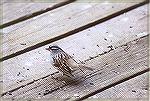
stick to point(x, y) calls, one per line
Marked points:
point(110, 37)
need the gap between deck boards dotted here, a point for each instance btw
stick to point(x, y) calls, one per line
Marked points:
point(125, 76)
point(28, 16)
point(18, 63)
point(73, 31)
point(113, 84)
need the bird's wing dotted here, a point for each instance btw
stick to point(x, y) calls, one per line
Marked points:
point(74, 65)
point(61, 63)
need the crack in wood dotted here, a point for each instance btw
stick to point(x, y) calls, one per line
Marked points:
point(125, 49)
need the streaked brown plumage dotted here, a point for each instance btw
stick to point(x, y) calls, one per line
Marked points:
point(64, 62)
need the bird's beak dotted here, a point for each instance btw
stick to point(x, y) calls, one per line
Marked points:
point(48, 49)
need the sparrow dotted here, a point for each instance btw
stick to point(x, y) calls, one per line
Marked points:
point(63, 62)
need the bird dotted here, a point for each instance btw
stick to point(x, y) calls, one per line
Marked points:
point(64, 62)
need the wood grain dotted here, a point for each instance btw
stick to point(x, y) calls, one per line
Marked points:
point(112, 68)
point(83, 46)
point(17, 12)
point(56, 24)
point(80, 1)
point(135, 88)
point(12, 11)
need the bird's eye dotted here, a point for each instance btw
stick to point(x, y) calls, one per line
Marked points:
point(54, 48)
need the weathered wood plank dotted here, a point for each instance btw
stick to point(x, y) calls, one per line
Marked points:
point(112, 68)
point(12, 11)
point(136, 88)
point(17, 12)
point(56, 24)
point(79, 1)
point(83, 46)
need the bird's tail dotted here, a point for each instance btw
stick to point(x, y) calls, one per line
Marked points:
point(86, 67)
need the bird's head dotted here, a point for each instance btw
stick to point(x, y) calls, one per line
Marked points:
point(53, 48)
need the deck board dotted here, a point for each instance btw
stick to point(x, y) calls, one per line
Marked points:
point(82, 46)
point(12, 11)
point(15, 12)
point(135, 88)
point(55, 24)
point(118, 54)
point(110, 69)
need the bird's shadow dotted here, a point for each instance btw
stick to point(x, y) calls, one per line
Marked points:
point(76, 79)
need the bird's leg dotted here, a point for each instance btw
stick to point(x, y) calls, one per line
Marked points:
point(61, 79)
point(54, 74)
point(55, 79)
point(82, 71)
point(71, 75)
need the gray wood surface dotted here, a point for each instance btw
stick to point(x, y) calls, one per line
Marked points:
point(115, 66)
point(117, 49)
point(135, 88)
point(14, 12)
point(82, 46)
point(50, 25)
